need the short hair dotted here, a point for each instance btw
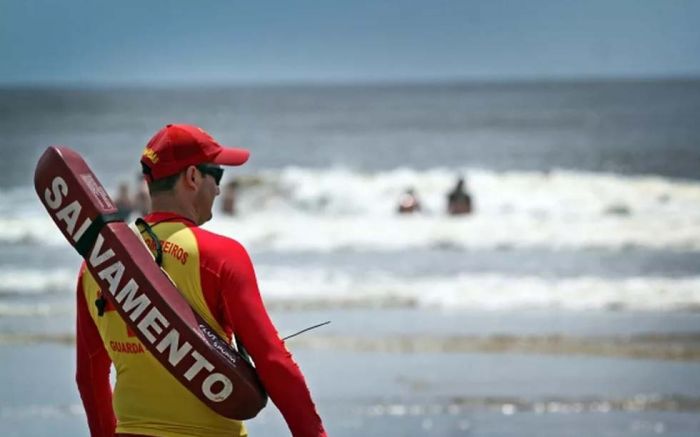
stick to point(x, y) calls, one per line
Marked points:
point(164, 184)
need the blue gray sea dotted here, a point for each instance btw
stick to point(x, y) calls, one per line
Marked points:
point(567, 304)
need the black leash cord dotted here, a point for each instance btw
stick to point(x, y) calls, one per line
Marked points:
point(306, 329)
point(145, 227)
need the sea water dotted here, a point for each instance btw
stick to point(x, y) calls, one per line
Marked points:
point(586, 207)
point(563, 175)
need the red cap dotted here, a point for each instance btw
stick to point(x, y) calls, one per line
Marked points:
point(177, 146)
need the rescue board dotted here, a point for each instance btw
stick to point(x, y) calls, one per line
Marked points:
point(140, 291)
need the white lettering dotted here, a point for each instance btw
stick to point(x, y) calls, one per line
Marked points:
point(150, 321)
point(200, 363)
point(226, 389)
point(54, 198)
point(113, 275)
point(217, 387)
point(79, 233)
point(69, 215)
point(170, 341)
point(141, 303)
point(95, 259)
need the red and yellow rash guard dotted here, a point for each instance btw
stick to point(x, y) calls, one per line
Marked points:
point(216, 276)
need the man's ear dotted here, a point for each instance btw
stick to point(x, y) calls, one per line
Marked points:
point(192, 178)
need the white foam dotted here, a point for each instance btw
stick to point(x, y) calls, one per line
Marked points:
point(561, 193)
point(301, 209)
point(33, 281)
point(308, 209)
point(377, 287)
point(482, 291)
point(30, 230)
point(35, 310)
point(41, 411)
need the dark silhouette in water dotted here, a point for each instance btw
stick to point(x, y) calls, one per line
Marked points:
point(123, 202)
point(459, 201)
point(228, 201)
point(142, 200)
point(409, 202)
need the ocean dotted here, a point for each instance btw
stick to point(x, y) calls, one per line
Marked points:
point(567, 302)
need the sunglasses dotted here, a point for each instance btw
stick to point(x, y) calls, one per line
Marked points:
point(212, 170)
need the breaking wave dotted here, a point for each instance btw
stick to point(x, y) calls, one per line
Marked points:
point(313, 287)
point(337, 209)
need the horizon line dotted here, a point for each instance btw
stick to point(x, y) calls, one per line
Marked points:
point(365, 82)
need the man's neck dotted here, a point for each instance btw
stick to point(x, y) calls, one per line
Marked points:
point(163, 203)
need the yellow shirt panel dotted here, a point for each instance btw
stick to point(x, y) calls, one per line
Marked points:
point(181, 261)
point(147, 399)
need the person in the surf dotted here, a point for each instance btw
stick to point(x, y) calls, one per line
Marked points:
point(142, 198)
point(459, 201)
point(123, 202)
point(409, 203)
point(228, 201)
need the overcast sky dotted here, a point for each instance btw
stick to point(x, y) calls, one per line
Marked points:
point(205, 41)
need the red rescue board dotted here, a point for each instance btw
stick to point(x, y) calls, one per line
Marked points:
point(142, 294)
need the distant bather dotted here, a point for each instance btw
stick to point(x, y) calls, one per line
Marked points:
point(459, 201)
point(409, 203)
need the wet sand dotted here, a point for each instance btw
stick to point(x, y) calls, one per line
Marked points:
point(675, 347)
point(416, 372)
point(678, 347)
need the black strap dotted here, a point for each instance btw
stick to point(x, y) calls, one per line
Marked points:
point(101, 304)
point(143, 226)
point(242, 350)
point(87, 240)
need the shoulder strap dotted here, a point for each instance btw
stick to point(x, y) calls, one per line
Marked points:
point(142, 226)
point(87, 240)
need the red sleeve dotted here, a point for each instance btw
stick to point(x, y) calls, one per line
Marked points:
point(278, 372)
point(92, 372)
